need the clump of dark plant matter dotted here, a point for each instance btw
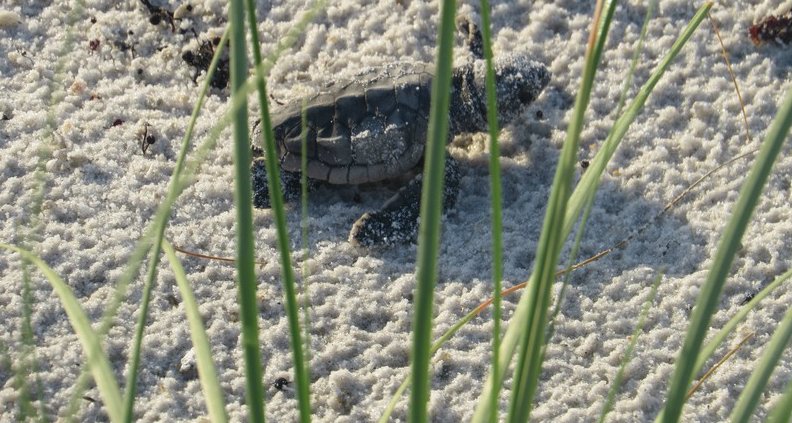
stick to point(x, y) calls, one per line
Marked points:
point(777, 28)
point(159, 14)
point(201, 58)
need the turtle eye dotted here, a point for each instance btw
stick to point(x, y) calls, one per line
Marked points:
point(525, 96)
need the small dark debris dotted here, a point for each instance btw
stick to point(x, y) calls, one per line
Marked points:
point(147, 139)
point(202, 58)
point(159, 14)
point(278, 102)
point(124, 45)
point(118, 122)
point(93, 19)
point(747, 298)
point(172, 300)
point(140, 71)
point(539, 114)
point(773, 28)
point(280, 383)
point(95, 96)
point(22, 52)
point(584, 164)
point(89, 399)
point(94, 44)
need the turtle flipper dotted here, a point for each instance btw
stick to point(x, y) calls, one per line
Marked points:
point(397, 220)
point(290, 184)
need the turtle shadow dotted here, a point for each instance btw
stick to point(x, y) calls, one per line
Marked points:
point(665, 242)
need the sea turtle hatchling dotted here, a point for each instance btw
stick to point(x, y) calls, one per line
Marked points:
point(374, 128)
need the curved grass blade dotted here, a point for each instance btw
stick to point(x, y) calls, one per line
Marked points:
point(727, 248)
point(246, 275)
point(529, 361)
point(302, 380)
point(158, 229)
point(749, 398)
point(709, 348)
point(212, 391)
point(614, 389)
point(495, 202)
point(431, 207)
point(304, 234)
point(782, 412)
point(622, 124)
point(183, 173)
point(96, 358)
point(583, 189)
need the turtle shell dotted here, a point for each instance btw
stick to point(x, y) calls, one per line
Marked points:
point(371, 129)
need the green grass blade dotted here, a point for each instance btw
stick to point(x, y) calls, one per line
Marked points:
point(304, 235)
point(301, 378)
point(210, 384)
point(749, 398)
point(709, 296)
point(431, 207)
point(593, 173)
point(709, 348)
point(25, 375)
point(529, 361)
point(134, 358)
point(156, 229)
point(583, 189)
point(96, 358)
point(650, 9)
point(496, 205)
point(782, 412)
point(614, 389)
point(248, 309)
point(435, 347)
point(589, 203)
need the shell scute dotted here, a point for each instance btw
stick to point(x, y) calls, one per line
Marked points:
point(380, 100)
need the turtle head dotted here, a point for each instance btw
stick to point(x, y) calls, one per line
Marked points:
point(518, 82)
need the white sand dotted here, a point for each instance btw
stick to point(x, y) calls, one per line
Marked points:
point(101, 192)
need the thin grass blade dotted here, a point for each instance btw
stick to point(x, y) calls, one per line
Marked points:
point(431, 207)
point(573, 255)
point(782, 412)
point(155, 231)
point(709, 348)
point(583, 189)
point(597, 166)
point(304, 235)
point(247, 284)
point(749, 398)
point(526, 375)
point(210, 384)
point(617, 380)
point(302, 380)
point(730, 242)
point(96, 358)
point(495, 202)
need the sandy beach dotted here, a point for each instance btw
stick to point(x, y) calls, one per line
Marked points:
point(103, 77)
